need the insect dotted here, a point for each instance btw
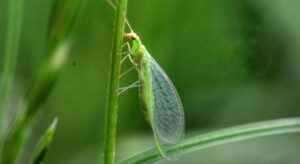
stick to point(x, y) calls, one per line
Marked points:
point(158, 97)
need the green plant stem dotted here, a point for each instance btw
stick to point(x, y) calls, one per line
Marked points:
point(15, 9)
point(228, 135)
point(113, 85)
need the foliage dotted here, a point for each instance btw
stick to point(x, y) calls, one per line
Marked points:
point(232, 62)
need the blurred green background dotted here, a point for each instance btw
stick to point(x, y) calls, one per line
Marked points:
point(232, 62)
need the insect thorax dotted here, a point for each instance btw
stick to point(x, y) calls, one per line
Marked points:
point(139, 53)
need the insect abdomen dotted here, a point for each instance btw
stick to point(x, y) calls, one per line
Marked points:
point(146, 90)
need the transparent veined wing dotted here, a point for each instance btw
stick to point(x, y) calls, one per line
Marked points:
point(168, 116)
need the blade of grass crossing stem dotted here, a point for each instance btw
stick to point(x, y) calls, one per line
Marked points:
point(13, 34)
point(65, 12)
point(228, 135)
point(44, 143)
point(113, 84)
point(17, 132)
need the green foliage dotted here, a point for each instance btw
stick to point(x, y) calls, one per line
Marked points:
point(15, 8)
point(57, 51)
point(232, 62)
point(44, 143)
point(228, 135)
point(112, 101)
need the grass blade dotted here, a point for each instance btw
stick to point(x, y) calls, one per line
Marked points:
point(17, 133)
point(228, 135)
point(10, 55)
point(64, 14)
point(44, 143)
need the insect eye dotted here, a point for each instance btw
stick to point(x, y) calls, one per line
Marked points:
point(133, 38)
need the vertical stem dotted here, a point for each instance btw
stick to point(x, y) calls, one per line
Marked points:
point(15, 9)
point(112, 100)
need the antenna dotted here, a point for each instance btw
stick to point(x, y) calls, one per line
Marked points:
point(111, 3)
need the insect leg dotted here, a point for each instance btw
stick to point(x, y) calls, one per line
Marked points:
point(124, 73)
point(128, 55)
point(126, 45)
point(126, 52)
point(133, 85)
point(125, 58)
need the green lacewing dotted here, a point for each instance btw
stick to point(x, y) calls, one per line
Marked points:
point(159, 99)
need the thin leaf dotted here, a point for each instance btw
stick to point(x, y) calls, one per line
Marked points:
point(44, 143)
point(59, 39)
point(13, 34)
point(228, 135)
